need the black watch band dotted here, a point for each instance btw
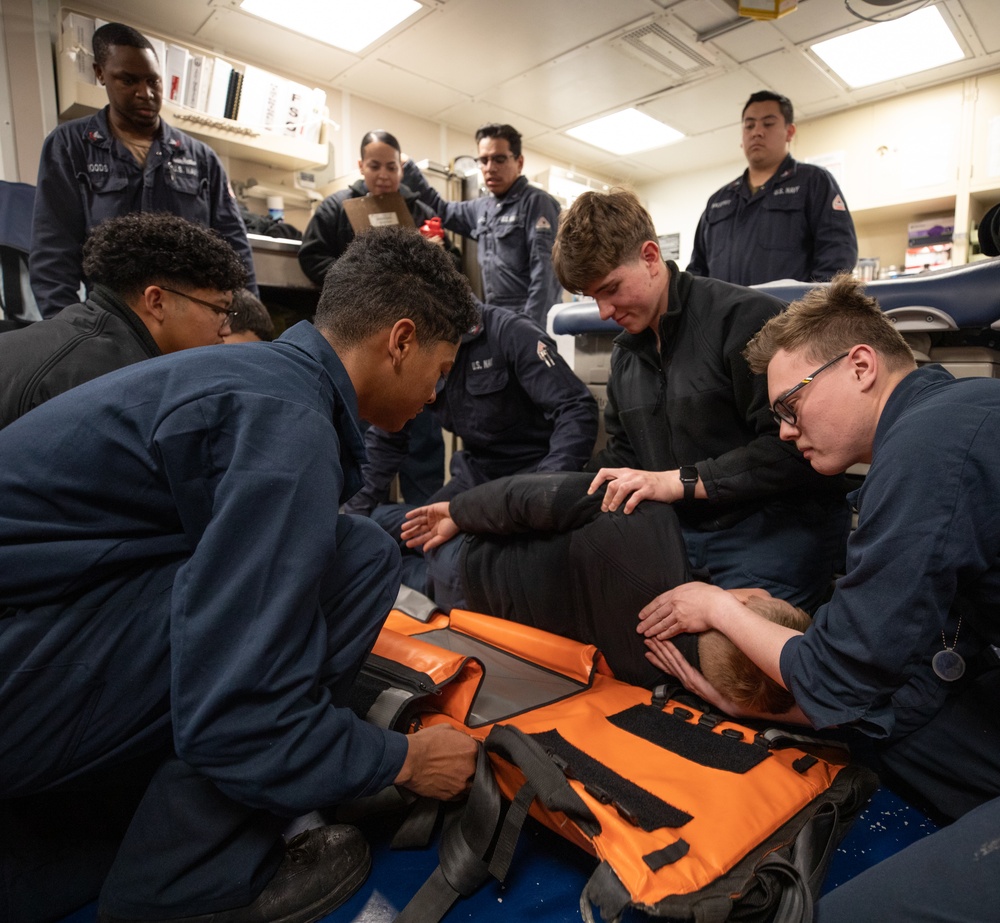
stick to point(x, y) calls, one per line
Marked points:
point(689, 478)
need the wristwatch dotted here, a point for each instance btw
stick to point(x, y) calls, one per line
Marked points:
point(689, 478)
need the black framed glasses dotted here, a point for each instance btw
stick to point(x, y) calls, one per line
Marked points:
point(226, 315)
point(780, 410)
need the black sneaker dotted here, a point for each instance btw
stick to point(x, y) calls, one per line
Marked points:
point(321, 869)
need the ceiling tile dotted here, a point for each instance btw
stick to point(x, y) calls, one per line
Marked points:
point(796, 76)
point(984, 19)
point(579, 87)
point(749, 41)
point(253, 41)
point(482, 44)
point(412, 92)
point(705, 106)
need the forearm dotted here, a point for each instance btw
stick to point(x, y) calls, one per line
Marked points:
point(761, 640)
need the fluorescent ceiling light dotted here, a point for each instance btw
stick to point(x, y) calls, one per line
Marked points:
point(908, 45)
point(345, 24)
point(626, 132)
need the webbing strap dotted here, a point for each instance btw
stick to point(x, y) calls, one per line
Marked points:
point(637, 805)
point(468, 852)
point(604, 889)
point(796, 904)
point(464, 844)
point(547, 778)
point(415, 832)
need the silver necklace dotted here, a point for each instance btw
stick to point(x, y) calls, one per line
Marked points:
point(948, 664)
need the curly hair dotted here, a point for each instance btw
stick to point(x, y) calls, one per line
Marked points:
point(128, 253)
point(390, 273)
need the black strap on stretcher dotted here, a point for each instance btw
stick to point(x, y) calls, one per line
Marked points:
point(480, 842)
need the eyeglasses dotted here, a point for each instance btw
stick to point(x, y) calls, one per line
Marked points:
point(498, 159)
point(228, 315)
point(780, 410)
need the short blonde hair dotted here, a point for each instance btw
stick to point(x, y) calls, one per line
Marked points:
point(600, 232)
point(735, 675)
point(826, 321)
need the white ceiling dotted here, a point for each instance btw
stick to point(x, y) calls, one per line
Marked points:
point(547, 65)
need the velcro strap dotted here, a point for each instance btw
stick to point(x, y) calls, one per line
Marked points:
point(666, 856)
point(694, 742)
point(635, 804)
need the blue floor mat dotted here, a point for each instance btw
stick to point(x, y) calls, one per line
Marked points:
point(548, 873)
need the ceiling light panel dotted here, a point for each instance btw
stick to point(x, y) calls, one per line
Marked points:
point(626, 132)
point(343, 24)
point(889, 50)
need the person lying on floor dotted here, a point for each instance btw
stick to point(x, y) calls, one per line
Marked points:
point(540, 552)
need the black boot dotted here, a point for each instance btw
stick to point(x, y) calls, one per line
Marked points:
point(321, 869)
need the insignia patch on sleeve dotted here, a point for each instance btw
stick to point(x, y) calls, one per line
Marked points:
point(544, 354)
point(543, 224)
point(838, 204)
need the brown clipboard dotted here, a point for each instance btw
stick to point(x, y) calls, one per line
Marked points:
point(375, 211)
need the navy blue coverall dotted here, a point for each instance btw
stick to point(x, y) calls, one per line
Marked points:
point(796, 226)
point(177, 588)
point(924, 556)
point(923, 573)
point(85, 175)
point(514, 235)
point(514, 402)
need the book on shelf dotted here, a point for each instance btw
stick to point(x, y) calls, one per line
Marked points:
point(260, 99)
point(218, 88)
point(233, 94)
point(196, 84)
point(175, 73)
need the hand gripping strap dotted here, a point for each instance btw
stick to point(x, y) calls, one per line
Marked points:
point(475, 845)
point(464, 845)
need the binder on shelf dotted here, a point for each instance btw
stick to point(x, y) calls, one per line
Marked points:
point(175, 73)
point(196, 86)
point(260, 99)
point(159, 49)
point(218, 88)
point(233, 94)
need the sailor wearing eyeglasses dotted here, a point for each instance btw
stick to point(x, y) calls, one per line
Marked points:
point(159, 284)
point(514, 227)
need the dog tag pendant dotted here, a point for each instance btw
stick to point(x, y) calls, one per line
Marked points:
point(948, 664)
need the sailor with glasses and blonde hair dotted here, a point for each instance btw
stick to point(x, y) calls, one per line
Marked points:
point(905, 650)
point(514, 226)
